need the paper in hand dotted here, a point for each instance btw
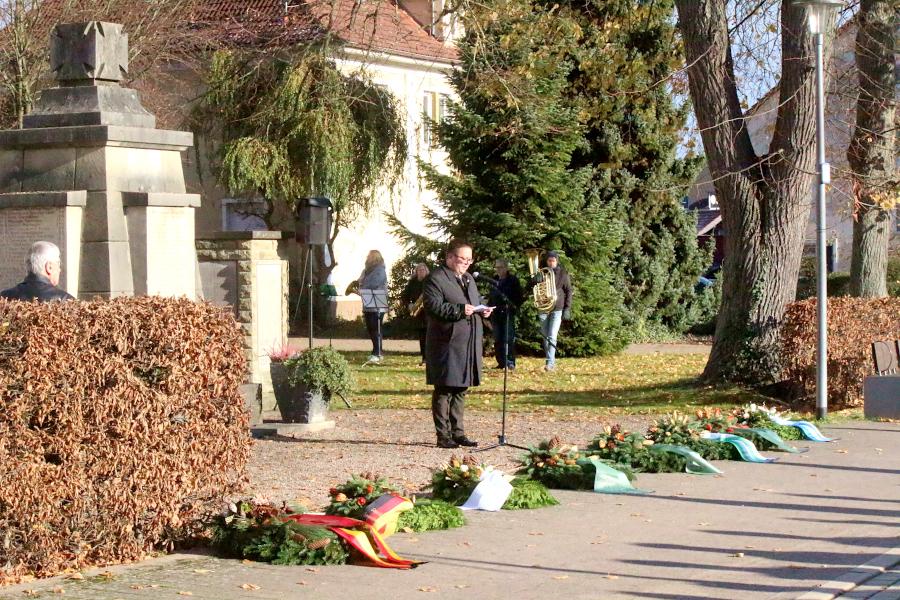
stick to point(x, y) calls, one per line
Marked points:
point(482, 308)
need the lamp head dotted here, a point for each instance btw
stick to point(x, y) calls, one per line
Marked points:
point(818, 12)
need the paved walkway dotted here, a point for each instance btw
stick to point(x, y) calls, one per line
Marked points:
point(393, 345)
point(759, 531)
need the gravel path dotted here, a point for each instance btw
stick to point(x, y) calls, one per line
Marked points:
point(399, 444)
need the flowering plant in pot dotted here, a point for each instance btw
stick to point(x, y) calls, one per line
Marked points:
point(305, 381)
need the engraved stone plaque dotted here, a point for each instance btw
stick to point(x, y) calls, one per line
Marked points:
point(19, 229)
point(219, 281)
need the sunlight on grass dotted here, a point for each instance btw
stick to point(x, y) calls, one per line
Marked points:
point(623, 384)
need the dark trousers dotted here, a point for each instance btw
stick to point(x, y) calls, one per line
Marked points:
point(447, 411)
point(504, 338)
point(374, 322)
point(422, 343)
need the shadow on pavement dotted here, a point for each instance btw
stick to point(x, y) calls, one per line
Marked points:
point(873, 512)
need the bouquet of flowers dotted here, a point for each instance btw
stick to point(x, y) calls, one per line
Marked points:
point(350, 499)
point(454, 481)
point(259, 531)
point(759, 416)
point(681, 430)
point(633, 450)
point(555, 465)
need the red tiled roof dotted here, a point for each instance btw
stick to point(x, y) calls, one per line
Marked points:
point(371, 25)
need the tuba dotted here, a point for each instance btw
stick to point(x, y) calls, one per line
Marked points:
point(544, 293)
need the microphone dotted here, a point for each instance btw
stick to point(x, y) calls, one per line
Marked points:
point(479, 277)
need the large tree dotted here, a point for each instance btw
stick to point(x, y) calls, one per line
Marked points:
point(764, 199)
point(288, 124)
point(511, 140)
point(621, 79)
point(872, 153)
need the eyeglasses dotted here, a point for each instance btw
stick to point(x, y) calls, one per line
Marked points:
point(462, 259)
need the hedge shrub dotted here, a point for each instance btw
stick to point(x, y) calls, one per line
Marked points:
point(853, 324)
point(121, 426)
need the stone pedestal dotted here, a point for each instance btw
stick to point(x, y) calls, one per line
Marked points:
point(882, 397)
point(161, 232)
point(248, 271)
point(90, 136)
point(26, 217)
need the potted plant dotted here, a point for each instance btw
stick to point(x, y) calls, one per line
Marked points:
point(304, 382)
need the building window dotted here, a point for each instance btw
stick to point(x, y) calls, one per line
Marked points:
point(435, 108)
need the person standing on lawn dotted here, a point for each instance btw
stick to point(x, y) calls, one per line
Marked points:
point(507, 297)
point(453, 342)
point(562, 311)
point(373, 283)
point(411, 296)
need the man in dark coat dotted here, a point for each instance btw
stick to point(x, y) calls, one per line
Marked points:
point(453, 342)
point(43, 266)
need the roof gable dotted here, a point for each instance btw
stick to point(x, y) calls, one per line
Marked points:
point(373, 25)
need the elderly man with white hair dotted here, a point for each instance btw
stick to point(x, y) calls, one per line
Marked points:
point(43, 266)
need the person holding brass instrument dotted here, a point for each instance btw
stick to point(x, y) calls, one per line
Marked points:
point(414, 302)
point(453, 343)
point(554, 304)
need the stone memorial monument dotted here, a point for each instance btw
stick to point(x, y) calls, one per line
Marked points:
point(90, 172)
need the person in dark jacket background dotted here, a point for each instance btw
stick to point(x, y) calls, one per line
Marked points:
point(410, 297)
point(503, 319)
point(551, 321)
point(43, 266)
point(453, 343)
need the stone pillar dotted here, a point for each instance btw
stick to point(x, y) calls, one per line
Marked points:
point(248, 271)
point(90, 135)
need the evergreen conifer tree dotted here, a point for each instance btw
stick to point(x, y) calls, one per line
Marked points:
point(511, 140)
point(621, 80)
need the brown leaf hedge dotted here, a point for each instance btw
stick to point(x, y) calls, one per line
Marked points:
point(121, 426)
point(853, 324)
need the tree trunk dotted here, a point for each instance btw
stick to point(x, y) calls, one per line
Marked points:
point(764, 200)
point(872, 150)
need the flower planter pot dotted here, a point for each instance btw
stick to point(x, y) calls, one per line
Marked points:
point(295, 402)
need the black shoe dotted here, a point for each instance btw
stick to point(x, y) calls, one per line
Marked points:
point(464, 441)
point(447, 444)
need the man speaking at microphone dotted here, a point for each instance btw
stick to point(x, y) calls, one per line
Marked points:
point(453, 342)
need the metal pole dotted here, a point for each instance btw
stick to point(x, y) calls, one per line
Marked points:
point(821, 264)
point(309, 287)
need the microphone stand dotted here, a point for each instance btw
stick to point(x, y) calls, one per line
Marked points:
point(508, 306)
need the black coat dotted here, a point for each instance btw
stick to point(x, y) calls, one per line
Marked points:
point(452, 340)
point(36, 287)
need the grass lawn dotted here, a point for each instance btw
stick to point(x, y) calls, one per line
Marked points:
point(623, 384)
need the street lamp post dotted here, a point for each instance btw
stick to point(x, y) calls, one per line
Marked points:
point(818, 14)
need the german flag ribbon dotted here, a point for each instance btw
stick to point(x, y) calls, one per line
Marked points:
point(382, 514)
point(367, 537)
